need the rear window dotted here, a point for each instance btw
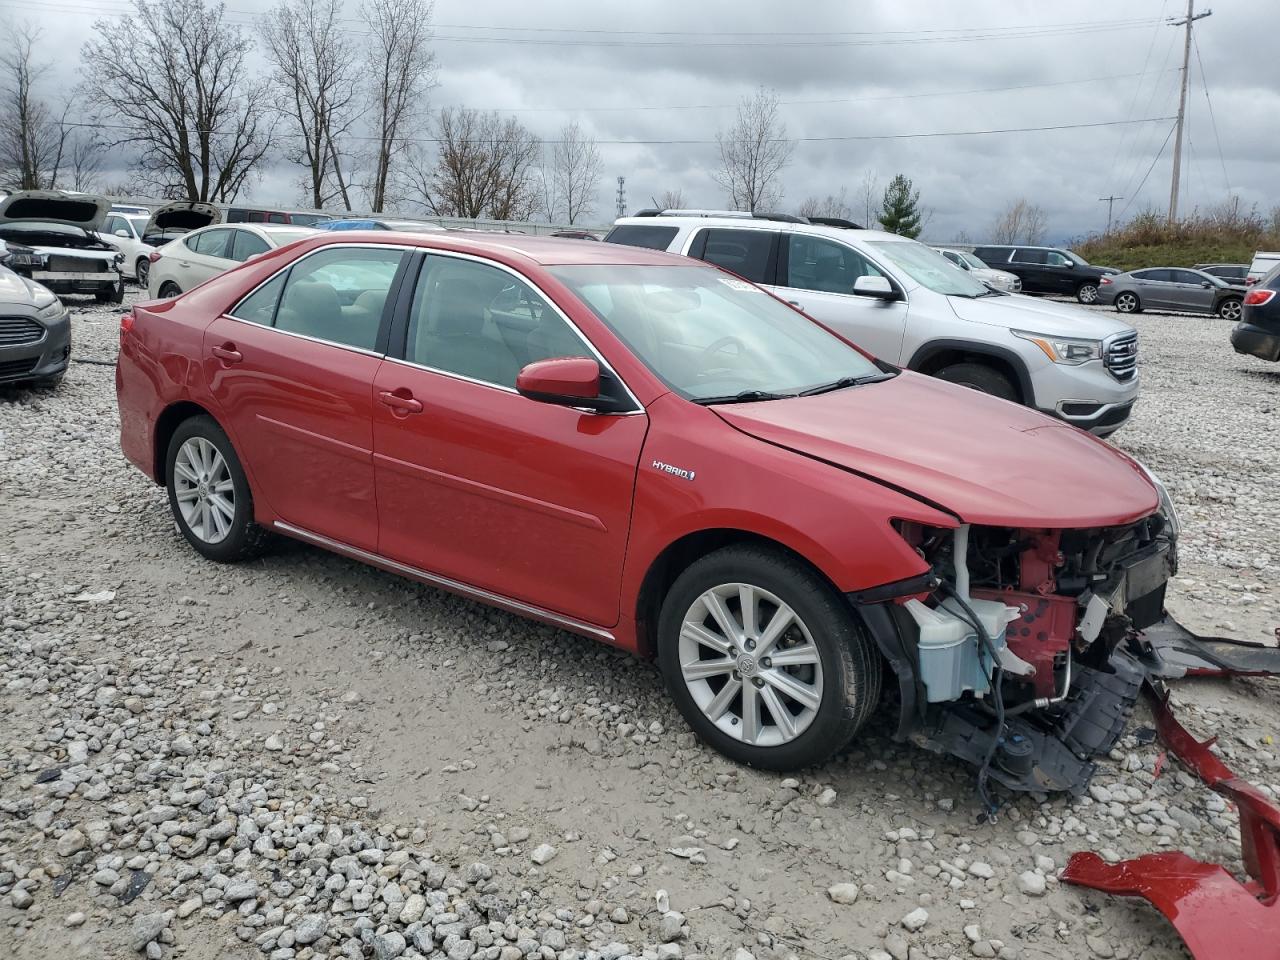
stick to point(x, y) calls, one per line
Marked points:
point(992, 254)
point(642, 235)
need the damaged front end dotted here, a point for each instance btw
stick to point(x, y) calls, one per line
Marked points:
point(1023, 652)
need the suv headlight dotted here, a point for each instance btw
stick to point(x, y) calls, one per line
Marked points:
point(1069, 350)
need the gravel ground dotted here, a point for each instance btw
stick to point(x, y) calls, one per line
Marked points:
point(303, 757)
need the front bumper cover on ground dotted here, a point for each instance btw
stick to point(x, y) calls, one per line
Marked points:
point(1217, 916)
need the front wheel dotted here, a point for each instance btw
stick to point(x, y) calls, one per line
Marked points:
point(980, 377)
point(765, 660)
point(1087, 293)
point(142, 272)
point(169, 290)
point(209, 493)
point(1230, 309)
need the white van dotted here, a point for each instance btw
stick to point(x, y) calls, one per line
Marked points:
point(907, 304)
point(1263, 263)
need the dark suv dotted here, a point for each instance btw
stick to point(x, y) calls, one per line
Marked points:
point(1047, 269)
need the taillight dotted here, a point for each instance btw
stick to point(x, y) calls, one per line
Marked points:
point(1104, 280)
point(1256, 298)
point(153, 256)
point(126, 322)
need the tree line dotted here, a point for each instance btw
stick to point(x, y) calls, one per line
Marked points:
point(170, 88)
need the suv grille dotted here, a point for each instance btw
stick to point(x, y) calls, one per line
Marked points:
point(15, 331)
point(1122, 356)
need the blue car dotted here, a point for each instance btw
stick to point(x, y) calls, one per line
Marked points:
point(404, 226)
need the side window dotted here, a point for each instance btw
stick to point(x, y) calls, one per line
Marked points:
point(636, 235)
point(1054, 259)
point(1186, 276)
point(816, 263)
point(260, 306)
point(1027, 255)
point(212, 243)
point(247, 244)
point(338, 295)
point(112, 224)
point(483, 323)
point(277, 218)
point(748, 253)
point(1160, 276)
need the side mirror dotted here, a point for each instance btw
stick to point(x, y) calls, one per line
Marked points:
point(1206, 284)
point(122, 233)
point(1070, 264)
point(565, 382)
point(878, 287)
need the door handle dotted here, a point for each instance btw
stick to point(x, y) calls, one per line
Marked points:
point(227, 353)
point(184, 266)
point(796, 304)
point(401, 401)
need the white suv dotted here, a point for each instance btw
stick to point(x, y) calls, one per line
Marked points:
point(905, 303)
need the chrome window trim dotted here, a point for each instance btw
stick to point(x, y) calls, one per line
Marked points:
point(604, 364)
point(446, 583)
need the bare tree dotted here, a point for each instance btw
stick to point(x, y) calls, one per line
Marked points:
point(835, 205)
point(575, 173)
point(32, 139)
point(869, 194)
point(315, 69)
point(671, 200)
point(753, 152)
point(1021, 222)
point(401, 68)
point(84, 160)
point(485, 167)
point(173, 80)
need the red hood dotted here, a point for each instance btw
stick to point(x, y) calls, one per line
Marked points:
point(988, 461)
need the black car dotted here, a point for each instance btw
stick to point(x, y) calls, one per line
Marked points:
point(1258, 332)
point(1047, 269)
point(1230, 272)
point(35, 332)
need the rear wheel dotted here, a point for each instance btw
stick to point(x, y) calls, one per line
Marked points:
point(1230, 309)
point(1087, 292)
point(209, 493)
point(169, 289)
point(1127, 302)
point(765, 660)
point(978, 376)
point(142, 272)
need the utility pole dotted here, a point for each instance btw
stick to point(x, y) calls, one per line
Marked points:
point(1109, 201)
point(1191, 18)
point(622, 196)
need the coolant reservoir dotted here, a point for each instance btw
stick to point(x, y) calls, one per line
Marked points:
point(952, 659)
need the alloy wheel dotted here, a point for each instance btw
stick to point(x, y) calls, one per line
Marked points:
point(1230, 310)
point(142, 272)
point(1088, 293)
point(1126, 303)
point(204, 490)
point(750, 664)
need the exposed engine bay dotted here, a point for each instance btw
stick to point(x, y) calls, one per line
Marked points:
point(1024, 655)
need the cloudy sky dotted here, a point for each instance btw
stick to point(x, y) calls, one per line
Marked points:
point(854, 77)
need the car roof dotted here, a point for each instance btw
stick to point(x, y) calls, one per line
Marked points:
point(545, 251)
point(760, 223)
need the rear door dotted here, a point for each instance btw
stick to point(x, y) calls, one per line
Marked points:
point(1030, 264)
point(479, 485)
point(291, 368)
point(207, 253)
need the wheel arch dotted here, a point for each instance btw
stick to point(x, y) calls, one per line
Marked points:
point(167, 423)
point(936, 354)
point(678, 555)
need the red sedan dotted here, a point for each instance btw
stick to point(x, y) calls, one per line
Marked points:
point(650, 451)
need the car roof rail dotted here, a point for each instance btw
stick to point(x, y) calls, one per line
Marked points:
point(836, 222)
point(730, 214)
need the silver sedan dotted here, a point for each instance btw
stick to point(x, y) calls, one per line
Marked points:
point(1172, 288)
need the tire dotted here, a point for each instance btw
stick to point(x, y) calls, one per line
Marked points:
point(217, 529)
point(836, 669)
point(980, 377)
point(1231, 309)
point(1127, 302)
point(1087, 292)
point(142, 272)
point(169, 290)
point(114, 295)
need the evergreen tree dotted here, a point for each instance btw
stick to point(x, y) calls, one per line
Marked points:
point(900, 209)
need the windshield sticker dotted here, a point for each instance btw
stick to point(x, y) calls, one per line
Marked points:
point(735, 284)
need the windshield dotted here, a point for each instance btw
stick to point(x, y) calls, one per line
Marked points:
point(139, 224)
point(929, 268)
point(710, 336)
point(971, 260)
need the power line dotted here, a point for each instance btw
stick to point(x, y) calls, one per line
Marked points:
point(1137, 90)
point(1133, 196)
point(691, 142)
point(1204, 81)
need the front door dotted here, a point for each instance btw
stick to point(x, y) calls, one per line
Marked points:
point(1192, 292)
point(475, 483)
point(817, 275)
point(292, 368)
